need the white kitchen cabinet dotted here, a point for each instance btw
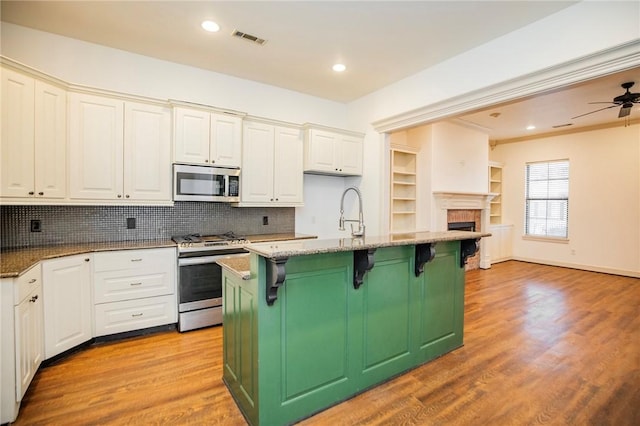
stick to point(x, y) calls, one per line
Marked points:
point(207, 138)
point(271, 165)
point(147, 152)
point(28, 337)
point(119, 150)
point(67, 303)
point(500, 242)
point(33, 138)
point(332, 152)
point(134, 289)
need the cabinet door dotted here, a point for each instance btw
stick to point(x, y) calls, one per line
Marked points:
point(95, 147)
point(226, 140)
point(50, 141)
point(16, 150)
point(147, 152)
point(288, 177)
point(257, 163)
point(321, 154)
point(192, 136)
point(67, 303)
point(28, 340)
point(350, 154)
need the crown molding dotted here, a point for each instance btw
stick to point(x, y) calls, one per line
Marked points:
point(608, 61)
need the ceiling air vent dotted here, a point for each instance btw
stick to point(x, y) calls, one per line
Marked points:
point(249, 37)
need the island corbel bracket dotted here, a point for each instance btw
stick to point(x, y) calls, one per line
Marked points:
point(424, 254)
point(362, 262)
point(468, 249)
point(275, 277)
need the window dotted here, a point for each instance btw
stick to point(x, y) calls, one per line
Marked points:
point(547, 194)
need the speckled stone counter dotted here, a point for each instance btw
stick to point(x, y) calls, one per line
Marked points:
point(273, 250)
point(14, 262)
point(238, 265)
point(278, 237)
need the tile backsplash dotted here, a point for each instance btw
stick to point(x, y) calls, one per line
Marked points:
point(81, 224)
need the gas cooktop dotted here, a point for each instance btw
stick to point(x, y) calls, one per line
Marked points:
point(197, 241)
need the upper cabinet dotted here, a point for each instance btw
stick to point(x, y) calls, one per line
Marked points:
point(207, 138)
point(332, 152)
point(271, 165)
point(118, 150)
point(33, 151)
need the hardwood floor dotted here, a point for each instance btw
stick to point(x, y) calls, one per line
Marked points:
point(543, 345)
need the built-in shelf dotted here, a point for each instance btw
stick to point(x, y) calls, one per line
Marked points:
point(403, 190)
point(495, 187)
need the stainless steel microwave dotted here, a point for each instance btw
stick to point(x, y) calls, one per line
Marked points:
point(202, 183)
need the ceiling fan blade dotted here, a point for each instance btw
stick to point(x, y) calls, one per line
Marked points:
point(624, 111)
point(590, 103)
point(601, 109)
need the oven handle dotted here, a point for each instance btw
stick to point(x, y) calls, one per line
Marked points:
point(202, 260)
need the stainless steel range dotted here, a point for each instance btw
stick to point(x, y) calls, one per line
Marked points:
point(200, 277)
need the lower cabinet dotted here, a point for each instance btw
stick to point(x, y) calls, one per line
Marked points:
point(21, 332)
point(134, 289)
point(323, 341)
point(67, 303)
point(128, 315)
point(500, 242)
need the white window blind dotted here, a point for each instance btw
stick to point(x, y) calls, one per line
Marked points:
point(547, 199)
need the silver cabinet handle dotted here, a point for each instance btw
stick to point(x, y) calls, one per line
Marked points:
point(132, 284)
point(137, 260)
point(137, 315)
point(33, 280)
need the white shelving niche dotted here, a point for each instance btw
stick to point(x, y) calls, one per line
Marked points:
point(403, 190)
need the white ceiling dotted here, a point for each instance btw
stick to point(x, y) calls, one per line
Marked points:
point(379, 41)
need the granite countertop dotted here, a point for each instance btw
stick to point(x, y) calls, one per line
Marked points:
point(307, 247)
point(238, 265)
point(15, 261)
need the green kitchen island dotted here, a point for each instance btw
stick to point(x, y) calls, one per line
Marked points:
point(312, 323)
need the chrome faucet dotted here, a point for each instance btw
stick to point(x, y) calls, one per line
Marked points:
point(360, 231)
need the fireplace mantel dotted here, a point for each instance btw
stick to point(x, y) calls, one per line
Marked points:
point(445, 201)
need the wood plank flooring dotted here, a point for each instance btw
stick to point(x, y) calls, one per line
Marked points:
point(543, 346)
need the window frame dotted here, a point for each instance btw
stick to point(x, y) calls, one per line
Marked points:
point(547, 217)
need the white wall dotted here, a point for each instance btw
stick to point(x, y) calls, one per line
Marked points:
point(604, 198)
point(460, 161)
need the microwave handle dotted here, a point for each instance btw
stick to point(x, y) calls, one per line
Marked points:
point(226, 186)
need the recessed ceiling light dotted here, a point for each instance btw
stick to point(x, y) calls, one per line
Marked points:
point(210, 26)
point(531, 127)
point(339, 67)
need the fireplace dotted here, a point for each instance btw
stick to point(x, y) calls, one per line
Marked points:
point(461, 226)
point(465, 211)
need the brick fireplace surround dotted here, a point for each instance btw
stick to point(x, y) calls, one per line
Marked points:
point(465, 207)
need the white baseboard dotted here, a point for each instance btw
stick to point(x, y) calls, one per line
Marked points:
point(613, 271)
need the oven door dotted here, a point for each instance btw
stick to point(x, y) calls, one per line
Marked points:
point(199, 282)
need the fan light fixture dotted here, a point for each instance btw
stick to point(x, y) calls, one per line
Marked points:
point(531, 127)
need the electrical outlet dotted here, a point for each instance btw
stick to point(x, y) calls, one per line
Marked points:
point(265, 220)
point(36, 225)
point(131, 223)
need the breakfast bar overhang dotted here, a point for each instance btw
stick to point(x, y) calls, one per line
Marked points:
point(315, 322)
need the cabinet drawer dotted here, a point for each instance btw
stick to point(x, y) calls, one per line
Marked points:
point(134, 259)
point(118, 317)
point(117, 286)
point(26, 283)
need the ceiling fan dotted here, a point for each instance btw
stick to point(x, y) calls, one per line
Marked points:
point(625, 101)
